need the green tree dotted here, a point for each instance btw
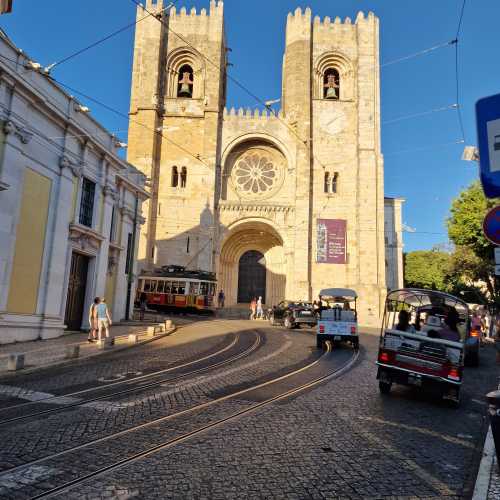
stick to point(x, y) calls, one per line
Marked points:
point(472, 260)
point(427, 269)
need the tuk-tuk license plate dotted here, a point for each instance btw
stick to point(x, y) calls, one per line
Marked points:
point(337, 337)
point(414, 379)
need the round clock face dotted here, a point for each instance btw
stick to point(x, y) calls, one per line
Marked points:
point(333, 121)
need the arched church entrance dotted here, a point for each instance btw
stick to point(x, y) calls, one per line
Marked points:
point(251, 276)
point(252, 264)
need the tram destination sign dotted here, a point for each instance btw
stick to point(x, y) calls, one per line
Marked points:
point(331, 241)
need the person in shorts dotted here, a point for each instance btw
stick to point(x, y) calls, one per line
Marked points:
point(93, 320)
point(103, 318)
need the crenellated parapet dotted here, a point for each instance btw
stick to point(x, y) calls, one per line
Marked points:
point(242, 114)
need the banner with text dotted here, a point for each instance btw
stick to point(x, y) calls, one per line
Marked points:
point(331, 241)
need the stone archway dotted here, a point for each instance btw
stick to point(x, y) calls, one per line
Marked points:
point(251, 276)
point(247, 241)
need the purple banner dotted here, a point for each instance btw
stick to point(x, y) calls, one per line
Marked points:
point(331, 241)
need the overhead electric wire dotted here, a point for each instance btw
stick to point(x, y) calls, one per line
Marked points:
point(104, 39)
point(420, 53)
point(422, 113)
point(457, 79)
point(109, 108)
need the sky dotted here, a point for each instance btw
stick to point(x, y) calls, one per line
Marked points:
point(422, 158)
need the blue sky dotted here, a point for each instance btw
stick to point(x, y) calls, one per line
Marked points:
point(421, 162)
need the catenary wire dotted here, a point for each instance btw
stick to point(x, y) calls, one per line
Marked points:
point(457, 79)
point(420, 53)
point(112, 110)
point(418, 115)
point(104, 39)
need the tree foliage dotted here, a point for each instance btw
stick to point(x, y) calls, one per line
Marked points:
point(472, 262)
point(427, 269)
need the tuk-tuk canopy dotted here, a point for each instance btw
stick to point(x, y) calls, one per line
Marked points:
point(345, 293)
point(419, 298)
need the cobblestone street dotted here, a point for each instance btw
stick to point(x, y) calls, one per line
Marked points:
point(339, 439)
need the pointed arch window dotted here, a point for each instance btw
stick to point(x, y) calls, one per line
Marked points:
point(327, 182)
point(331, 84)
point(185, 82)
point(175, 177)
point(335, 180)
point(184, 175)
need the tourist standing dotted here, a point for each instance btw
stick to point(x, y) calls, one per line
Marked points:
point(103, 318)
point(143, 302)
point(93, 320)
point(260, 311)
point(253, 308)
point(221, 298)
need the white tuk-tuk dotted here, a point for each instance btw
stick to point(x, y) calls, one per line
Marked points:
point(338, 317)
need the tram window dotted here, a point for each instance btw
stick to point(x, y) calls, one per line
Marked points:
point(203, 288)
point(182, 287)
point(168, 287)
point(153, 287)
point(147, 285)
point(194, 288)
point(212, 288)
point(160, 287)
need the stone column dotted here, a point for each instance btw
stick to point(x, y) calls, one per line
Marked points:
point(52, 293)
point(109, 194)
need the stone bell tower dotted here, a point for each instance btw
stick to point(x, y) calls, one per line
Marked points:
point(331, 95)
point(177, 100)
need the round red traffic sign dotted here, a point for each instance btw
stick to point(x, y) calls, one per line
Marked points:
point(491, 225)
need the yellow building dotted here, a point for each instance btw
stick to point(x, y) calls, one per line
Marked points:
point(278, 206)
point(69, 207)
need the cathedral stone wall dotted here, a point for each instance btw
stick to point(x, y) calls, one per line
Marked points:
point(256, 182)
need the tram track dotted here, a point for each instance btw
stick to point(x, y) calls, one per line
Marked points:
point(134, 380)
point(244, 394)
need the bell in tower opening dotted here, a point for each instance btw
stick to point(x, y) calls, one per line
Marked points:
point(185, 88)
point(331, 84)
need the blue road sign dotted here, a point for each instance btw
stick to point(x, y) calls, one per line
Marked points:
point(491, 225)
point(488, 137)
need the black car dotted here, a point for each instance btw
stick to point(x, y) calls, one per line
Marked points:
point(292, 314)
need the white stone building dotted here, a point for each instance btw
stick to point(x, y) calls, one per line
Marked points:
point(70, 208)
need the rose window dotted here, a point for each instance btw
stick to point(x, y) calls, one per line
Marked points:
point(255, 175)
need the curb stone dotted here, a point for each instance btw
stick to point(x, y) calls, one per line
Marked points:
point(485, 468)
point(12, 375)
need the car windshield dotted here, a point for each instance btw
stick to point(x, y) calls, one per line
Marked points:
point(300, 304)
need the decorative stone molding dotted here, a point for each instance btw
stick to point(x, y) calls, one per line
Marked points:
point(127, 212)
point(254, 207)
point(110, 191)
point(85, 238)
point(19, 131)
point(112, 263)
point(65, 162)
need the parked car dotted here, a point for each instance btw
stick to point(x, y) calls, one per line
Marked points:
point(292, 314)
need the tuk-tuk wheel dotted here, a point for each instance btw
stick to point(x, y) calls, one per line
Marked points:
point(320, 344)
point(355, 344)
point(385, 387)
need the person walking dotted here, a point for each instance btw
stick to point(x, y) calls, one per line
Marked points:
point(103, 318)
point(93, 320)
point(260, 311)
point(221, 298)
point(497, 340)
point(253, 308)
point(143, 302)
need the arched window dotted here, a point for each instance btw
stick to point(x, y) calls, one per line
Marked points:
point(175, 177)
point(185, 82)
point(335, 180)
point(327, 182)
point(331, 84)
point(184, 175)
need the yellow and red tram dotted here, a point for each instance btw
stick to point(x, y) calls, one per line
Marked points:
point(173, 288)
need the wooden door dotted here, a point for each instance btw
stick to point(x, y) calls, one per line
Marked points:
point(251, 277)
point(75, 302)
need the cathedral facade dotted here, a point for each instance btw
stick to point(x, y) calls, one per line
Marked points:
point(279, 204)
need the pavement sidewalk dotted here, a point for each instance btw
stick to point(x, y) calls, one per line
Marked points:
point(42, 353)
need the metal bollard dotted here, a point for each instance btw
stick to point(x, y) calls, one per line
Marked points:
point(72, 352)
point(16, 362)
point(494, 412)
